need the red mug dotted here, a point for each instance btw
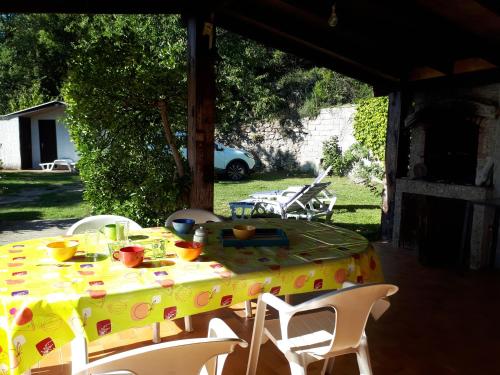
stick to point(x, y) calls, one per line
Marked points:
point(130, 256)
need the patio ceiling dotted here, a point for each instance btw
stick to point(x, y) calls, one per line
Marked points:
point(386, 43)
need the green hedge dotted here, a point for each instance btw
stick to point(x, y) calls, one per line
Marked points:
point(370, 124)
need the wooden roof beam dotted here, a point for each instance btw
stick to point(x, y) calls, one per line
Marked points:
point(313, 28)
point(276, 38)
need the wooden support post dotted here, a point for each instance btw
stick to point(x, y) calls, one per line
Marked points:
point(391, 163)
point(201, 109)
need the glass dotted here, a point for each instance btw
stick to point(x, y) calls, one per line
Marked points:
point(122, 231)
point(91, 244)
point(158, 249)
point(112, 247)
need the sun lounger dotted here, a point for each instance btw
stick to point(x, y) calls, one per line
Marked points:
point(68, 163)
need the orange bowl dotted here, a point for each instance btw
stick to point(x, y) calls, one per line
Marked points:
point(187, 250)
point(243, 232)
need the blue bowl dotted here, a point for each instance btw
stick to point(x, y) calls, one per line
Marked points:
point(183, 226)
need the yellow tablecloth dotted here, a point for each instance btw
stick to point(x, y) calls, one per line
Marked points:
point(46, 303)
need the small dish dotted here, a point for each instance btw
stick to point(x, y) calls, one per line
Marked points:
point(188, 250)
point(183, 226)
point(62, 250)
point(244, 232)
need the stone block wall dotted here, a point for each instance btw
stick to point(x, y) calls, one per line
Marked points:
point(300, 147)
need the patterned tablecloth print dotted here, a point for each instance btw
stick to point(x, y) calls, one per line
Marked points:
point(46, 303)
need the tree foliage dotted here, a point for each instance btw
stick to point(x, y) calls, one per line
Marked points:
point(332, 156)
point(259, 84)
point(370, 124)
point(332, 89)
point(122, 66)
point(34, 53)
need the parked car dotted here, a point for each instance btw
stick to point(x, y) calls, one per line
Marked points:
point(234, 163)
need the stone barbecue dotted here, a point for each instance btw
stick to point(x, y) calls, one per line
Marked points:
point(453, 160)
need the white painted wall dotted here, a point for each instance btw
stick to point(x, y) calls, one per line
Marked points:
point(65, 148)
point(10, 149)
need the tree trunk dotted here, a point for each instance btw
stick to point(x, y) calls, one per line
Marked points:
point(162, 105)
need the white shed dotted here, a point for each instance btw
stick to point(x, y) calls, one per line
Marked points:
point(35, 135)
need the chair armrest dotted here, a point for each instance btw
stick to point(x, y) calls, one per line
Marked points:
point(272, 202)
point(293, 189)
point(219, 329)
point(348, 284)
point(378, 308)
point(276, 303)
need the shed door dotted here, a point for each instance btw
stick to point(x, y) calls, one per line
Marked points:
point(48, 143)
point(25, 141)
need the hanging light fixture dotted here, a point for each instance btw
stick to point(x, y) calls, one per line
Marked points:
point(333, 20)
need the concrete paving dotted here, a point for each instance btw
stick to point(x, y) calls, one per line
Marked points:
point(14, 231)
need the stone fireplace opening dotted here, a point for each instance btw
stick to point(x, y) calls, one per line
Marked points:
point(450, 154)
point(430, 225)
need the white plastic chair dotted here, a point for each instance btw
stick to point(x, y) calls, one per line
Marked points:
point(334, 326)
point(182, 357)
point(200, 216)
point(97, 222)
point(273, 194)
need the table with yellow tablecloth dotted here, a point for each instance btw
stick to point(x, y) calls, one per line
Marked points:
point(46, 303)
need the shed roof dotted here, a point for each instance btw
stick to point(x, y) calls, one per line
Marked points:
point(35, 109)
point(387, 43)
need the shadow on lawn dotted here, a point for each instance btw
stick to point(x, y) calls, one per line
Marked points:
point(38, 225)
point(355, 207)
point(266, 176)
point(19, 215)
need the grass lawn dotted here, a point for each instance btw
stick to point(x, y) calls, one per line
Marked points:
point(34, 195)
point(59, 196)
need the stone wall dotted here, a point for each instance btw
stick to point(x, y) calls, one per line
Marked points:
point(300, 147)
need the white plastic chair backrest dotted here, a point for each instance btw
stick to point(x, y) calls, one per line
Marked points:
point(97, 222)
point(183, 357)
point(352, 307)
point(321, 176)
point(299, 200)
point(200, 216)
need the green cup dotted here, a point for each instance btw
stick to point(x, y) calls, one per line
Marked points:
point(109, 231)
point(121, 231)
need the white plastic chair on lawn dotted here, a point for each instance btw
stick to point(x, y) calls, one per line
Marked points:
point(273, 194)
point(97, 222)
point(301, 203)
point(182, 357)
point(328, 326)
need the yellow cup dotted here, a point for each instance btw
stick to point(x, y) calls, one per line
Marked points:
point(62, 250)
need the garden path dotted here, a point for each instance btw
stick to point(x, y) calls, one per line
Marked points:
point(21, 230)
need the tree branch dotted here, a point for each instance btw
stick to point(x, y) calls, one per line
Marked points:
point(162, 106)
